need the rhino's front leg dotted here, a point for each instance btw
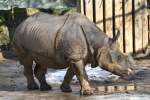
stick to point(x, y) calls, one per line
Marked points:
point(79, 69)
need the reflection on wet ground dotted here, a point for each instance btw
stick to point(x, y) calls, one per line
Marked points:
point(57, 76)
point(36, 95)
point(13, 85)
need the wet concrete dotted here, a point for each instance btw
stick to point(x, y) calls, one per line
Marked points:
point(13, 86)
point(34, 95)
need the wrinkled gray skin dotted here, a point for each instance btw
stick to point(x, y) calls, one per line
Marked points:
point(69, 41)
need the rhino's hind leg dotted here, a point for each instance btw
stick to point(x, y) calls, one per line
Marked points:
point(65, 87)
point(79, 69)
point(27, 61)
point(40, 72)
point(28, 72)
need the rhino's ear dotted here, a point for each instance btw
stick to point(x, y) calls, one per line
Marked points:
point(113, 40)
point(117, 36)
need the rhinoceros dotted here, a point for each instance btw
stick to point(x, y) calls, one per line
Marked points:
point(68, 41)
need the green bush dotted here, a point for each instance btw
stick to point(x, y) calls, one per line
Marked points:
point(4, 34)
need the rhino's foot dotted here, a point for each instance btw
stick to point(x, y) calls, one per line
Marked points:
point(32, 86)
point(86, 92)
point(65, 88)
point(45, 87)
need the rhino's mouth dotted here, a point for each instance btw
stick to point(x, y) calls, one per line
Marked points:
point(127, 74)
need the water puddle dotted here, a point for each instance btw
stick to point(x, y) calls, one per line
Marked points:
point(56, 77)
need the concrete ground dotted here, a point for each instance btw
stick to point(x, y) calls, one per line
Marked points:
point(13, 85)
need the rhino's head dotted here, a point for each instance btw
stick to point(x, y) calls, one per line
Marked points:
point(110, 58)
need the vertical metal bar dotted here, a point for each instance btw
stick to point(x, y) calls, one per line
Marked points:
point(142, 14)
point(113, 17)
point(94, 11)
point(123, 27)
point(148, 29)
point(133, 26)
point(148, 4)
point(104, 17)
point(84, 7)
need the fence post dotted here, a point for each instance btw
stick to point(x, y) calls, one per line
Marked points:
point(123, 27)
point(84, 7)
point(133, 26)
point(148, 29)
point(113, 17)
point(104, 17)
point(94, 11)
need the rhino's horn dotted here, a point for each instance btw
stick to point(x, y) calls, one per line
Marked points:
point(115, 38)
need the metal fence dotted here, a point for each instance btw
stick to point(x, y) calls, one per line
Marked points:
point(104, 3)
point(135, 29)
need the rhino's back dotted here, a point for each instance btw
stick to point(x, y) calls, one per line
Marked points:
point(37, 33)
point(52, 38)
